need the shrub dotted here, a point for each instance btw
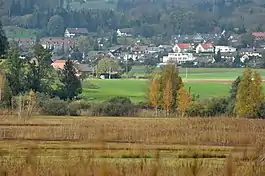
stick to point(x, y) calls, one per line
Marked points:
point(55, 107)
point(207, 108)
point(76, 107)
point(117, 106)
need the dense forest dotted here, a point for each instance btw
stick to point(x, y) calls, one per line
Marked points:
point(147, 17)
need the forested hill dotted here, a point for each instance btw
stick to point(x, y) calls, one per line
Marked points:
point(146, 17)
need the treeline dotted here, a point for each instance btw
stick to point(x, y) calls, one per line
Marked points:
point(147, 18)
point(246, 99)
point(24, 77)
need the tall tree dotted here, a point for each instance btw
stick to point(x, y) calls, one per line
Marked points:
point(3, 41)
point(39, 76)
point(183, 100)
point(232, 97)
point(71, 85)
point(171, 83)
point(154, 94)
point(249, 95)
point(56, 25)
point(15, 72)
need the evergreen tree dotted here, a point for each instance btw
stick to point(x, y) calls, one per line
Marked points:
point(71, 85)
point(237, 62)
point(15, 72)
point(3, 41)
point(232, 97)
point(39, 76)
point(218, 57)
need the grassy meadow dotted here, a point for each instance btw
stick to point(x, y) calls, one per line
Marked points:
point(18, 32)
point(131, 146)
point(205, 82)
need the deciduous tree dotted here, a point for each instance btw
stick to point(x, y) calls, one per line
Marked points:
point(249, 95)
point(154, 93)
point(183, 100)
point(168, 99)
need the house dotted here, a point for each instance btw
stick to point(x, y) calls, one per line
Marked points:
point(251, 52)
point(75, 32)
point(139, 49)
point(259, 35)
point(23, 42)
point(58, 64)
point(183, 47)
point(154, 49)
point(225, 49)
point(178, 58)
point(83, 69)
point(205, 48)
point(116, 50)
point(56, 43)
point(125, 32)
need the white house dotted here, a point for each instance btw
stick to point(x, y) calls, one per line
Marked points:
point(74, 32)
point(183, 47)
point(225, 49)
point(178, 58)
point(205, 48)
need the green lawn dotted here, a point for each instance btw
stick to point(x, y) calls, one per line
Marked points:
point(204, 73)
point(136, 89)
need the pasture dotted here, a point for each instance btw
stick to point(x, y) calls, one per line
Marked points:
point(18, 32)
point(205, 82)
point(131, 146)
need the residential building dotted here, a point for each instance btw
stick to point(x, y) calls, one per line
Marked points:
point(178, 58)
point(23, 41)
point(75, 32)
point(83, 69)
point(225, 49)
point(183, 47)
point(125, 32)
point(259, 35)
point(252, 52)
point(205, 48)
point(56, 43)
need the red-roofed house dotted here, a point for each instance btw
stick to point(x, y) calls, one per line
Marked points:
point(259, 35)
point(205, 48)
point(183, 47)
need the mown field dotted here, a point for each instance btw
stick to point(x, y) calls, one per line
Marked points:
point(18, 32)
point(131, 146)
point(136, 89)
point(205, 82)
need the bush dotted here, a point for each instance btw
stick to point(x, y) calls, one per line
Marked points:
point(55, 107)
point(117, 106)
point(76, 107)
point(207, 108)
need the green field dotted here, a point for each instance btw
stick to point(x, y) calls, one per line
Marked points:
point(136, 89)
point(205, 82)
point(203, 73)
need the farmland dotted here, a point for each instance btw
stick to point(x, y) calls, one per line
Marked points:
point(130, 146)
point(205, 82)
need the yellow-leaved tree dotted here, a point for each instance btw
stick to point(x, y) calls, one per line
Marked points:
point(249, 95)
point(154, 93)
point(183, 101)
point(168, 99)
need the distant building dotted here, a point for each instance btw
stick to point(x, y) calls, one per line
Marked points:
point(225, 49)
point(205, 48)
point(75, 32)
point(56, 43)
point(183, 47)
point(178, 58)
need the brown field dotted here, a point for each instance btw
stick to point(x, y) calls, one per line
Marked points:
point(131, 146)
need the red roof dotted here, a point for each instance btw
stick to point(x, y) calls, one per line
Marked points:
point(183, 45)
point(258, 34)
point(59, 64)
point(207, 45)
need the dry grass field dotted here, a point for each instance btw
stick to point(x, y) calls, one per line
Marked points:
point(131, 146)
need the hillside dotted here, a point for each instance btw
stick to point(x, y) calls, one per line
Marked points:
point(148, 18)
